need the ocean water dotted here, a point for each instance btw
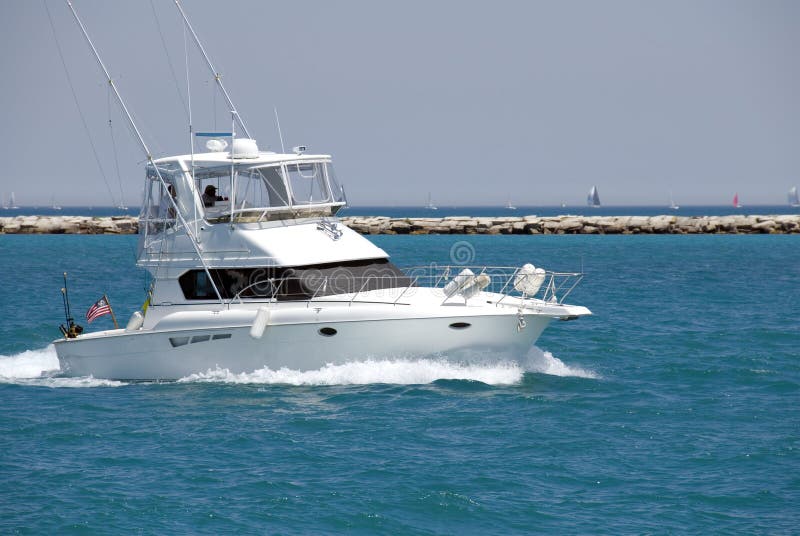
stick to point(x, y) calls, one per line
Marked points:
point(674, 409)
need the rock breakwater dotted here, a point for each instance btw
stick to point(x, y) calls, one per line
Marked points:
point(69, 225)
point(751, 224)
point(578, 225)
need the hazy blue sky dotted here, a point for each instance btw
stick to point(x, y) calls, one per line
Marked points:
point(473, 101)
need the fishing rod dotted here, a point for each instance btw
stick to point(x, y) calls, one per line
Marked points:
point(70, 330)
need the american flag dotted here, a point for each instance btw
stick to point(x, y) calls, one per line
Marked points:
point(98, 309)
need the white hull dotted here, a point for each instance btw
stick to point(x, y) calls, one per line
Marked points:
point(292, 338)
point(150, 355)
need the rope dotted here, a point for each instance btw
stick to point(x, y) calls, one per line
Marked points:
point(78, 104)
point(114, 150)
point(169, 60)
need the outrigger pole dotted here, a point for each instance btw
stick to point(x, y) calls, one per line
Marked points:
point(146, 149)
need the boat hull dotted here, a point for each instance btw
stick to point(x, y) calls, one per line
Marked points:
point(175, 354)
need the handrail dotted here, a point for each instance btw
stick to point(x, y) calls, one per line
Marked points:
point(503, 281)
point(359, 290)
point(413, 284)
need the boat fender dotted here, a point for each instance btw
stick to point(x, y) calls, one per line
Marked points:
point(135, 322)
point(529, 279)
point(477, 284)
point(459, 282)
point(260, 323)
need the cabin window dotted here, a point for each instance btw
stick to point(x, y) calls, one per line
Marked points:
point(269, 192)
point(275, 193)
point(337, 191)
point(214, 194)
point(295, 283)
point(158, 211)
point(307, 181)
point(178, 341)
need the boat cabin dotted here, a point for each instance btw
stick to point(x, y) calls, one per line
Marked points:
point(240, 186)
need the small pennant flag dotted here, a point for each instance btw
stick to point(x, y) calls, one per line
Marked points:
point(100, 308)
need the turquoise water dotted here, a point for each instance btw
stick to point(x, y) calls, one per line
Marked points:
point(673, 410)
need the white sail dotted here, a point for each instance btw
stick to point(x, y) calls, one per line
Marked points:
point(794, 200)
point(12, 202)
point(430, 205)
point(593, 199)
point(672, 204)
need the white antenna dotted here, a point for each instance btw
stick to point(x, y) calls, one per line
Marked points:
point(145, 148)
point(280, 134)
point(217, 76)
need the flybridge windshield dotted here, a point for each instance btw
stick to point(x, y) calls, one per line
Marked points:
point(268, 192)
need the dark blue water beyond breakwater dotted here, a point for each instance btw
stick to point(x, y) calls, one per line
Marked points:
point(672, 410)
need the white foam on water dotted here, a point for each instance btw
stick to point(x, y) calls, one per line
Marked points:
point(543, 362)
point(29, 364)
point(40, 368)
point(407, 371)
point(392, 371)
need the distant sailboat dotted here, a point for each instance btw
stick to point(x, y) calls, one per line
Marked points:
point(4, 205)
point(736, 203)
point(593, 199)
point(794, 200)
point(53, 204)
point(672, 204)
point(430, 205)
point(12, 203)
point(509, 206)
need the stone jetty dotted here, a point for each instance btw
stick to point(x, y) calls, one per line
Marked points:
point(69, 225)
point(668, 224)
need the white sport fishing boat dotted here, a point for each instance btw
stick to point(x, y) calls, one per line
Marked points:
point(251, 268)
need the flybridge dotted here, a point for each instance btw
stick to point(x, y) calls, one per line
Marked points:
point(240, 186)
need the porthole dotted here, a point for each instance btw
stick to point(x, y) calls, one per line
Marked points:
point(221, 336)
point(460, 325)
point(200, 338)
point(327, 332)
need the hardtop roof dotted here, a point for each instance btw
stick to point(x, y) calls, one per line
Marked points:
point(263, 158)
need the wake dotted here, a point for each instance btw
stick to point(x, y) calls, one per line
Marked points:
point(408, 371)
point(41, 368)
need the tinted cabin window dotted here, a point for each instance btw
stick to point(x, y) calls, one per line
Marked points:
point(296, 283)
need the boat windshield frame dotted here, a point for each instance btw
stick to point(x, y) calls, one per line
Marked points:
point(279, 191)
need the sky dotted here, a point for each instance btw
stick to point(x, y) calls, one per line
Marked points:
point(476, 103)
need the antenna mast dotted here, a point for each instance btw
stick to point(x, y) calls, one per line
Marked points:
point(280, 134)
point(217, 76)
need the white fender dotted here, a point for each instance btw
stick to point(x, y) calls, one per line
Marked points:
point(135, 322)
point(477, 284)
point(260, 323)
point(529, 279)
point(459, 282)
